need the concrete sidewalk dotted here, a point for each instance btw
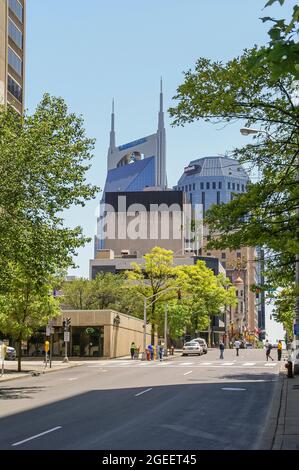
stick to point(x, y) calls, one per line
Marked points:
point(286, 435)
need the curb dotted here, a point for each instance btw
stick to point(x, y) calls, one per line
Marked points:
point(42, 372)
point(268, 439)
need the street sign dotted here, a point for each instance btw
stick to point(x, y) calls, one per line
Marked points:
point(296, 329)
point(48, 331)
point(66, 336)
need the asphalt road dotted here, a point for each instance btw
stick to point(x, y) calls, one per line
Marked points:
point(184, 403)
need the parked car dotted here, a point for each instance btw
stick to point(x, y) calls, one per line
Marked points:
point(192, 348)
point(249, 346)
point(10, 353)
point(202, 343)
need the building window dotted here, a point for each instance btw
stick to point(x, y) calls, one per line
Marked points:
point(228, 185)
point(15, 34)
point(223, 264)
point(238, 254)
point(15, 61)
point(190, 187)
point(223, 255)
point(243, 188)
point(208, 254)
point(203, 201)
point(14, 88)
point(202, 186)
point(208, 185)
point(231, 196)
point(17, 9)
point(190, 197)
point(238, 187)
point(193, 186)
point(218, 197)
point(186, 188)
point(234, 186)
point(214, 185)
point(220, 185)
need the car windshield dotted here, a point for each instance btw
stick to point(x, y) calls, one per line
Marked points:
point(191, 344)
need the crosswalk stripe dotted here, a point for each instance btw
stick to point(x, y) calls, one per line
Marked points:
point(271, 364)
point(249, 363)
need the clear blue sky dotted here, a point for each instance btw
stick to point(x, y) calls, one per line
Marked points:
point(90, 51)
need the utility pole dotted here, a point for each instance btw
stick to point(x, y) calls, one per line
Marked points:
point(144, 329)
point(165, 331)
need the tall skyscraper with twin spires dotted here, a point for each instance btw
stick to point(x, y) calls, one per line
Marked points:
point(134, 166)
point(141, 163)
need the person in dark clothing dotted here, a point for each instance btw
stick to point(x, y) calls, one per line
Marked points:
point(221, 347)
point(268, 351)
point(132, 350)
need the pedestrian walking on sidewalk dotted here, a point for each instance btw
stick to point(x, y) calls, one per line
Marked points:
point(237, 346)
point(221, 347)
point(279, 350)
point(160, 351)
point(268, 350)
point(133, 349)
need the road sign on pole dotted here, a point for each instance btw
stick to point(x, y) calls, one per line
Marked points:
point(66, 336)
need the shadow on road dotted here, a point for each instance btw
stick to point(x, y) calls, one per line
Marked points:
point(184, 416)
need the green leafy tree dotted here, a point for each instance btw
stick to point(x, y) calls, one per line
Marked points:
point(154, 278)
point(25, 307)
point(44, 158)
point(284, 311)
point(265, 215)
point(76, 294)
point(205, 294)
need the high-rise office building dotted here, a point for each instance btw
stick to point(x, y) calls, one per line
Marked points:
point(216, 180)
point(12, 53)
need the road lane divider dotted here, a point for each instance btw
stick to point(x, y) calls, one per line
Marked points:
point(36, 436)
point(233, 389)
point(144, 391)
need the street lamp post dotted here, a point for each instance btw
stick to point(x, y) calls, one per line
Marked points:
point(247, 131)
point(165, 331)
point(145, 299)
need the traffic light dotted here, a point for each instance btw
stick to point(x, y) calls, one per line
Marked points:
point(64, 324)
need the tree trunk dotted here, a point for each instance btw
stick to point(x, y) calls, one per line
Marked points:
point(19, 355)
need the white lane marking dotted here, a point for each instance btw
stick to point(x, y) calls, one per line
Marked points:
point(190, 372)
point(227, 363)
point(73, 378)
point(144, 391)
point(271, 364)
point(233, 389)
point(249, 363)
point(186, 363)
point(37, 435)
point(206, 363)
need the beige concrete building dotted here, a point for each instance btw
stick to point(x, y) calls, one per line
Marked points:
point(99, 333)
point(240, 266)
point(12, 53)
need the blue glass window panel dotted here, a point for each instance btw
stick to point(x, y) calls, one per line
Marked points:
point(14, 61)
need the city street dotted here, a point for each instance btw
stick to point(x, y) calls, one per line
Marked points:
point(181, 403)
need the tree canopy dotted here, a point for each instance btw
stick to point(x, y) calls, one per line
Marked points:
point(255, 89)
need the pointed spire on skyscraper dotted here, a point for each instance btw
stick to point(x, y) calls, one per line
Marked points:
point(161, 155)
point(112, 131)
